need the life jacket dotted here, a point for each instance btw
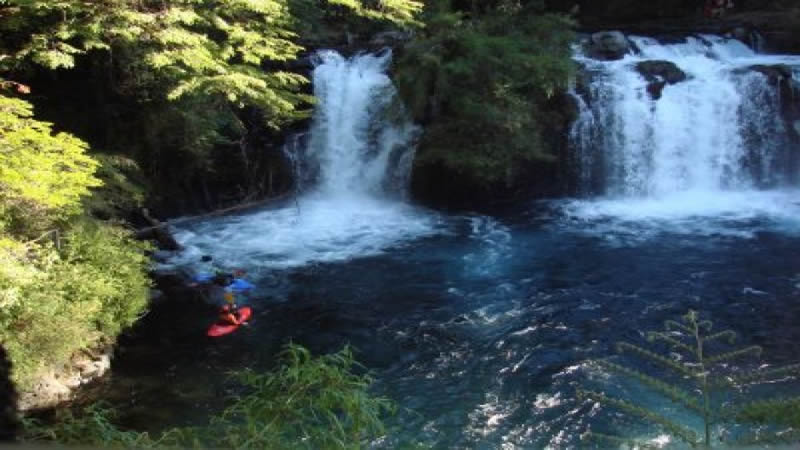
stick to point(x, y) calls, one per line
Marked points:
point(229, 314)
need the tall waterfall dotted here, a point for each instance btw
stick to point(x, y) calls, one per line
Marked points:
point(360, 140)
point(353, 166)
point(720, 130)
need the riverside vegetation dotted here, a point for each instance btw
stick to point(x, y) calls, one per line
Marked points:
point(705, 384)
point(178, 77)
point(479, 78)
point(307, 403)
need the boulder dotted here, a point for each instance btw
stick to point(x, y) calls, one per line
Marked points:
point(607, 45)
point(656, 71)
point(776, 73)
point(57, 385)
point(655, 89)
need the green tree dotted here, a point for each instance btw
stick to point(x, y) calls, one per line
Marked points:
point(705, 383)
point(173, 84)
point(43, 176)
point(66, 282)
point(478, 79)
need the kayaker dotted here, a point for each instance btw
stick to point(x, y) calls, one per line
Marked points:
point(230, 312)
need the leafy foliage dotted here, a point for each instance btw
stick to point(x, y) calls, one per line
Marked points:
point(703, 379)
point(170, 83)
point(479, 80)
point(209, 48)
point(79, 282)
point(94, 426)
point(308, 402)
point(42, 176)
point(54, 303)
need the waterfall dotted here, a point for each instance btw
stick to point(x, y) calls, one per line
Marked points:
point(352, 168)
point(361, 141)
point(721, 129)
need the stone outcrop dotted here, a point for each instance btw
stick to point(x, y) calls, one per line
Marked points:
point(659, 74)
point(775, 73)
point(657, 70)
point(57, 385)
point(607, 45)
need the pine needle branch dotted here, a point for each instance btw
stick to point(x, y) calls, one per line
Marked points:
point(624, 346)
point(757, 410)
point(618, 441)
point(675, 394)
point(730, 335)
point(705, 324)
point(752, 350)
point(793, 369)
point(654, 335)
point(685, 434)
point(761, 438)
point(671, 325)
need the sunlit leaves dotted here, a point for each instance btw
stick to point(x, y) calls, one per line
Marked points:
point(479, 81)
point(193, 47)
point(40, 171)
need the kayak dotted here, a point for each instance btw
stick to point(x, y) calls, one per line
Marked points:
point(222, 328)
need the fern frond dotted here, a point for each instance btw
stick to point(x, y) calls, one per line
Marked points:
point(674, 393)
point(722, 334)
point(618, 441)
point(678, 367)
point(763, 438)
point(760, 375)
point(653, 335)
point(752, 350)
point(763, 410)
point(671, 325)
point(705, 324)
point(685, 434)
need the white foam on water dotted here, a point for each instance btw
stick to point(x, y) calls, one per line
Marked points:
point(710, 156)
point(354, 166)
point(317, 229)
point(736, 214)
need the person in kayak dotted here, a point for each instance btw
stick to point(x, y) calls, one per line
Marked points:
point(230, 311)
point(210, 273)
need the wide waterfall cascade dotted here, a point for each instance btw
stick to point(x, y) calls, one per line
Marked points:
point(719, 130)
point(353, 167)
point(717, 145)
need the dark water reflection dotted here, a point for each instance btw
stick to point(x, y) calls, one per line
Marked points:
point(480, 334)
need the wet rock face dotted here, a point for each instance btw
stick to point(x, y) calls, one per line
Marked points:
point(58, 386)
point(607, 45)
point(658, 70)
point(659, 74)
point(776, 73)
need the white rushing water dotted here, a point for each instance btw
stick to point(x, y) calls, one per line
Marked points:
point(710, 146)
point(353, 165)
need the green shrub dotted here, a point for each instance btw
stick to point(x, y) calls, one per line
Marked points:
point(54, 303)
point(308, 402)
point(480, 81)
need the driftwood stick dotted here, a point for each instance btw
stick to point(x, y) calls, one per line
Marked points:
point(156, 224)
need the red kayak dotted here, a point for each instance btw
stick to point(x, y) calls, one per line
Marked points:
point(223, 328)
